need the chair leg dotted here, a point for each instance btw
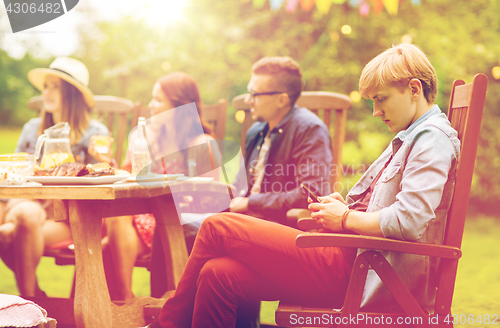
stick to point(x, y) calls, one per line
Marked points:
point(396, 286)
point(356, 286)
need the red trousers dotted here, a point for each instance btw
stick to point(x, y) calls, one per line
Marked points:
point(237, 257)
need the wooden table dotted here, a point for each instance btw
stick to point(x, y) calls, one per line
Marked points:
point(85, 206)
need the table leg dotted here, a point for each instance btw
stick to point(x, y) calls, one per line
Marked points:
point(171, 234)
point(159, 285)
point(92, 301)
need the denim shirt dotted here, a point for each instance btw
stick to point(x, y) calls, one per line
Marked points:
point(413, 196)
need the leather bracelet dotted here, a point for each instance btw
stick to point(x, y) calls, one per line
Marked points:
point(344, 219)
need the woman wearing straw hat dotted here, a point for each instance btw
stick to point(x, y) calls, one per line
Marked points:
point(26, 229)
point(66, 98)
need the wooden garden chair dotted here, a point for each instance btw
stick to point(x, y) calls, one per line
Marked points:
point(115, 112)
point(215, 115)
point(322, 103)
point(465, 114)
point(118, 115)
point(325, 105)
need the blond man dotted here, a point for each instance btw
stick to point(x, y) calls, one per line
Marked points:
point(405, 194)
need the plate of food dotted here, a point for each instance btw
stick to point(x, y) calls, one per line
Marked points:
point(79, 174)
point(48, 180)
point(14, 168)
point(151, 177)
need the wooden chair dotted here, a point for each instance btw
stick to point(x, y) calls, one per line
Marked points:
point(213, 114)
point(114, 112)
point(465, 114)
point(216, 115)
point(323, 104)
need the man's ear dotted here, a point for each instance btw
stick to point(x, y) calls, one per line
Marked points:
point(416, 88)
point(284, 100)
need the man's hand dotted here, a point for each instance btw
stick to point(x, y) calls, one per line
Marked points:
point(239, 205)
point(329, 198)
point(329, 212)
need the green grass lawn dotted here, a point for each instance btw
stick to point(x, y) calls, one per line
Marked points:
point(478, 279)
point(476, 290)
point(8, 139)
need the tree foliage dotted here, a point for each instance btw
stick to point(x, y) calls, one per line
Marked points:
point(219, 40)
point(15, 89)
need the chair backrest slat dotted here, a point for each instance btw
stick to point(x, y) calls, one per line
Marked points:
point(215, 116)
point(321, 103)
point(327, 118)
point(109, 121)
point(462, 95)
point(465, 114)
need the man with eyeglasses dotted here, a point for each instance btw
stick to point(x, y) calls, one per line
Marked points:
point(287, 145)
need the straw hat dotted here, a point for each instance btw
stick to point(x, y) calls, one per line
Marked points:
point(70, 70)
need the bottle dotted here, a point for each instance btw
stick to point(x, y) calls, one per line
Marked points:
point(140, 150)
point(192, 167)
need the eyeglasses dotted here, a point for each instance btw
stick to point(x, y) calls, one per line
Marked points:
point(254, 94)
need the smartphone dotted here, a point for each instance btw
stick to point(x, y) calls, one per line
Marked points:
point(311, 194)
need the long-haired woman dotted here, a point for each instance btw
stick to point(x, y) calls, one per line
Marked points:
point(27, 225)
point(178, 134)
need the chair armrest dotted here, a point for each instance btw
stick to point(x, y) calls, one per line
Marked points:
point(308, 224)
point(294, 214)
point(342, 240)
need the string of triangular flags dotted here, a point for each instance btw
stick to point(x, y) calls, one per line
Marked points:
point(323, 6)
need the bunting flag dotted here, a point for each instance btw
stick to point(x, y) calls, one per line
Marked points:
point(378, 6)
point(391, 6)
point(276, 4)
point(259, 3)
point(364, 9)
point(291, 5)
point(306, 5)
point(323, 6)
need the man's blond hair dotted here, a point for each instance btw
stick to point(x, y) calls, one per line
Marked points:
point(395, 67)
point(286, 73)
